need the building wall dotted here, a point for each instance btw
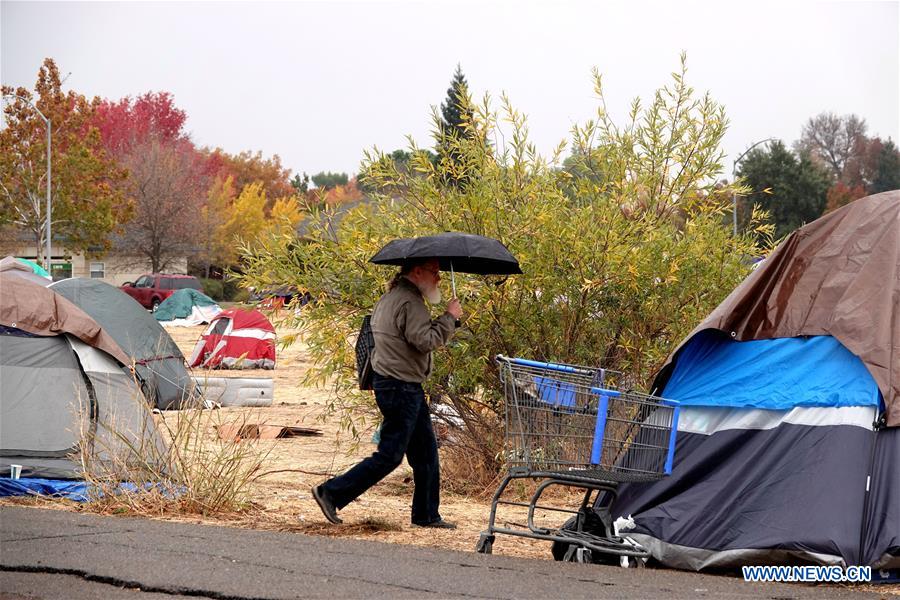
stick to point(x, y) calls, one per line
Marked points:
point(113, 268)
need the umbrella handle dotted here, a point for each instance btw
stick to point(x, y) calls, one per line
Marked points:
point(452, 279)
point(453, 283)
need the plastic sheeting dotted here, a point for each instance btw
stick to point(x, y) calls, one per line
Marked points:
point(714, 370)
point(53, 488)
point(77, 491)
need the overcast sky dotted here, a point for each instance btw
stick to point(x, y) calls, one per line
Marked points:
point(319, 82)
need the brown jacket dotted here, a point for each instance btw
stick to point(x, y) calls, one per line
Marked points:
point(405, 334)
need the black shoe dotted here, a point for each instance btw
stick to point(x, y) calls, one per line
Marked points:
point(439, 524)
point(325, 503)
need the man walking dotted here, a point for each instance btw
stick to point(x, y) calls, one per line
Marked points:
point(405, 335)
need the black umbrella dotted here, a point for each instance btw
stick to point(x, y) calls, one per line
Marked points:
point(462, 252)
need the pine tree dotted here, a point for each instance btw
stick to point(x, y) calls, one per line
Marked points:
point(455, 116)
point(792, 188)
point(887, 174)
point(451, 109)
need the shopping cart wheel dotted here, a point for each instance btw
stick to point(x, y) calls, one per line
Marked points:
point(631, 562)
point(485, 544)
point(577, 554)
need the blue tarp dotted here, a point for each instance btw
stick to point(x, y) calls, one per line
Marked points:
point(71, 489)
point(714, 370)
point(55, 488)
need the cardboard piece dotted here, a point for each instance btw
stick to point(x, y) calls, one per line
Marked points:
point(252, 431)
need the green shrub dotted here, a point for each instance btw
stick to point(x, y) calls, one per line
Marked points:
point(623, 250)
point(241, 295)
point(231, 288)
point(213, 288)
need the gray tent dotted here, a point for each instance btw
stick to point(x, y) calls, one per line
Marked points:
point(158, 363)
point(64, 385)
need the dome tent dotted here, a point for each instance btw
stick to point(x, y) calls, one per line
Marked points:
point(788, 442)
point(65, 385)
point(236, 338)
point(185, 308)
point(158, 362)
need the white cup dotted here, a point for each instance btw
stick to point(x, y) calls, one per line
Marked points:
point(15, 471)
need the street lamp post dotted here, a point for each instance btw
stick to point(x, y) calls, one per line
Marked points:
point(734, 176)
point(49, 174)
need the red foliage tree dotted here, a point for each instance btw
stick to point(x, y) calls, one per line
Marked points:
point(840, 194)
point(132, 121)
point(168, 177)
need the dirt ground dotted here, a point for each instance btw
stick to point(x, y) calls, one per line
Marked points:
point(299, 463)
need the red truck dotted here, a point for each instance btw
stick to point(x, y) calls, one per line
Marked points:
point(151, 289)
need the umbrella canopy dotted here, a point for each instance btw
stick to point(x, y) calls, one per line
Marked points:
point(458, 252)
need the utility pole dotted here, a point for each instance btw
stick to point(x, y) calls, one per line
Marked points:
point(49, 175)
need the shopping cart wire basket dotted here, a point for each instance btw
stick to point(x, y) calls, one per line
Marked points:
point(578, 427)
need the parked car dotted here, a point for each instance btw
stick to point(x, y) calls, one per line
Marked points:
point(150, 290)
point(273, 299)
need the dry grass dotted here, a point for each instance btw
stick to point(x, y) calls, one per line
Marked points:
point(189, 471)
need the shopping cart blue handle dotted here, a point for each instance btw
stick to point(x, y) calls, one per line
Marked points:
point(606, 392)
point(541, 365)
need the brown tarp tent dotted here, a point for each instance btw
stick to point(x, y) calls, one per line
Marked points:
point(838, 276)
point(41, 311)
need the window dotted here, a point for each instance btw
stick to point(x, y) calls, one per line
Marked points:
point(189, 283)
point(167, 283)
point(98, 270)
point(144, 282)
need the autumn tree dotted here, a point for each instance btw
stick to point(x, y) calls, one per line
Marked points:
point(343, 194)
point(792, 188)
point(859, 165)
point(169, 188)
point(131, 121)
point(840, 194)
point(87, 205)
point(167, 179)
point(248, 167)
point(286, 215)
point(214, 248)
point(245, 220)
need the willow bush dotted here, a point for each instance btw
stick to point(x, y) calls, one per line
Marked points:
point(624, 245)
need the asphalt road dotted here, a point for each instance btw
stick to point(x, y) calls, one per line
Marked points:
point(62, 555)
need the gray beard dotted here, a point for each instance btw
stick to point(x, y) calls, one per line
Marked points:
point(433, 295)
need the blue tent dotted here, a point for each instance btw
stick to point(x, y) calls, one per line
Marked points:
point(786, 449)
point(776, 446)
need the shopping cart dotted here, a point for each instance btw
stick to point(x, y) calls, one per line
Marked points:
point(577, 427)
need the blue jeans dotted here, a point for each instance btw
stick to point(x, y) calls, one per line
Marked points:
point(406, 430)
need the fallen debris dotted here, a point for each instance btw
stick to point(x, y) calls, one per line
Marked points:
point(251, 431)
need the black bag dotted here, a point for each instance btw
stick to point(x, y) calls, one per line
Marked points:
point(365, 345)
